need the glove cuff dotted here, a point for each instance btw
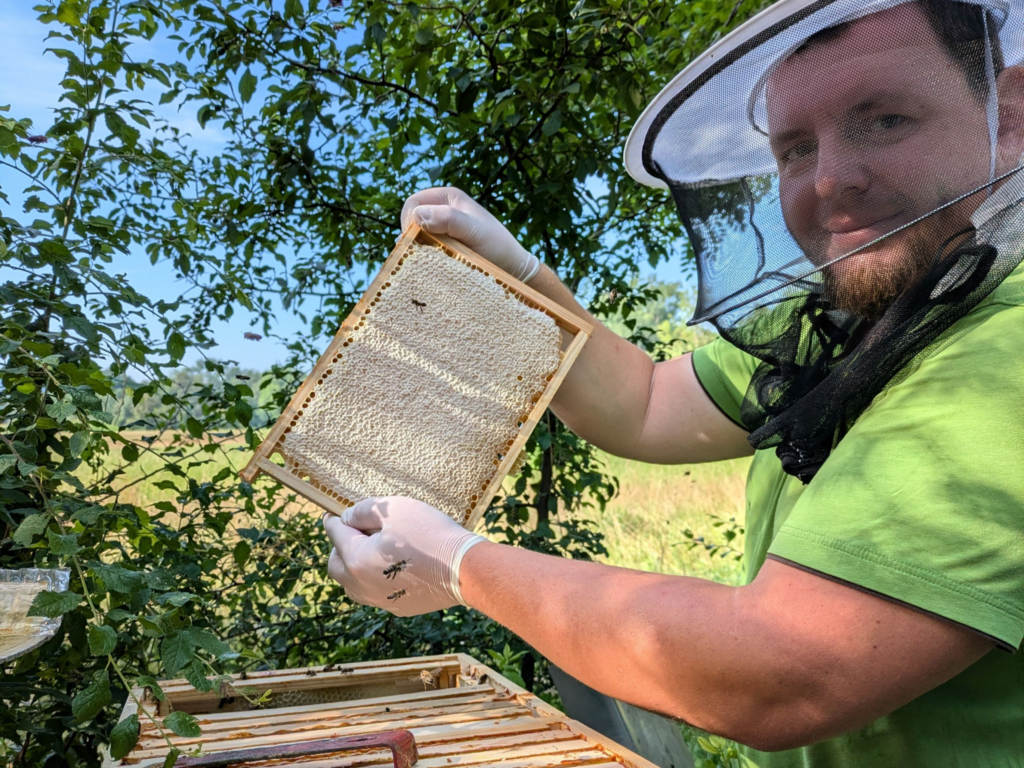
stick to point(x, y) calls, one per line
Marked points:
point(530, 268)
point(463, 547)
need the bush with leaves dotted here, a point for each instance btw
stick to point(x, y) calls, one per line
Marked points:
point(332, 114)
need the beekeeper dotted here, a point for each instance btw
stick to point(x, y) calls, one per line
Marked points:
point(847, 175)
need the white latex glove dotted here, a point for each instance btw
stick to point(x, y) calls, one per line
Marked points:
point(398, 554)
point(450, 211)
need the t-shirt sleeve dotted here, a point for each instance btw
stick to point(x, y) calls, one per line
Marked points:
point(725, 372)
point(923, 500)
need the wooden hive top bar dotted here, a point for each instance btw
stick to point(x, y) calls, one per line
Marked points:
point(460, 712)
point(430, 388)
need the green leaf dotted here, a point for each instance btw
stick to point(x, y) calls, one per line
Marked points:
point(44, 422)
point(194, 427)
point(176, 346)
point(196, 677)
point(177, 651)
point(102, 640)
point(118, 614)
point(118, 579)
point(247, 86)
point(552, 124)
point(172, 758)
point(514, 676)
point(88, 515)
point(183, 724)
point(62, 544)
point(130, 452)
point(82, 327)
point(208, 642)
point(292, 8)
point(33, 525)
point(178, 599)
point(68, 14)
point(7, 461)
point(150, 682)
point(53, 604)
point(241, 553)
point(124, 737)
point(91, 700)
point(61, 411)
point(79, 442)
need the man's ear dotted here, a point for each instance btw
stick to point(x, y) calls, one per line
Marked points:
point(1010, 87)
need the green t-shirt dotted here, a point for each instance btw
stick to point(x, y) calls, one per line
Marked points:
point(922, 501)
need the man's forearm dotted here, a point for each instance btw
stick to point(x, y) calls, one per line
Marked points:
point(665, 643)
point(787, 660)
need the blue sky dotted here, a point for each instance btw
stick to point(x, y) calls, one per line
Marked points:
point(31, 87)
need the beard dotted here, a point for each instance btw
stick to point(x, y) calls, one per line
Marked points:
point(868, 283)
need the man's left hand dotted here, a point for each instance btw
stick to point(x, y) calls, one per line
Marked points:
point(398, 554)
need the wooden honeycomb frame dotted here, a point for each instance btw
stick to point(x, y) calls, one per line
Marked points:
point(576, 331)
point(467, 716)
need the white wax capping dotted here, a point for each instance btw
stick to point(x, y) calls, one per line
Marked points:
point(430, 390)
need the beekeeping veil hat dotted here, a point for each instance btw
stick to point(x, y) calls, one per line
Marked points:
point(846, 173)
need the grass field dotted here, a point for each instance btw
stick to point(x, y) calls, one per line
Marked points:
point(643, 525)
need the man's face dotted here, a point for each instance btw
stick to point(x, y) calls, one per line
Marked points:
point(871, 129)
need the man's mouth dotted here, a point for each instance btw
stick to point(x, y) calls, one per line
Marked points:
point(848, 234)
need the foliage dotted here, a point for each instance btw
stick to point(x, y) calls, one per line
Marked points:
point(506, 663)
point(331, 115)
point(711, 751)
point(657, 324)
point(730, 530)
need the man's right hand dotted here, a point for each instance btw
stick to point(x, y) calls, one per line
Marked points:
point(450, 211)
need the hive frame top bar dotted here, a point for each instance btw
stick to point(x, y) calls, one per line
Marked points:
point(576, 332)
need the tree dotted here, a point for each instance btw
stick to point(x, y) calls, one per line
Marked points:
point(333, 114)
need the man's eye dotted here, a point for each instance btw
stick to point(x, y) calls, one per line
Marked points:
point(888, 122)
point(798, 152)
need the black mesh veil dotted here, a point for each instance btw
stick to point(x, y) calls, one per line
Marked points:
point(847, 174)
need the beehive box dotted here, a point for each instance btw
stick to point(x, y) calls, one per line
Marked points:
point(460, 712)
point(430, 388)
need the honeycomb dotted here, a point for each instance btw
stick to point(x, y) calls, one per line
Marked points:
point(302, 698)
point(429, 390)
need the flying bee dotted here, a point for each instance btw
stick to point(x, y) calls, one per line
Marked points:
point(394, 569)
point(250, 336)
point(240, 377)
point(419, 305)
point(396, 594)
point(427, 679)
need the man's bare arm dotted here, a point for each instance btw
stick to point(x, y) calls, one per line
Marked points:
point(789, 660)
point(617, 398)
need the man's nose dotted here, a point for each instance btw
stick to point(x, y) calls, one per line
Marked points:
point(840, 171)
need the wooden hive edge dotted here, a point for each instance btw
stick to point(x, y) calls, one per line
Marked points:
point(474, 669)
point(345, 670)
